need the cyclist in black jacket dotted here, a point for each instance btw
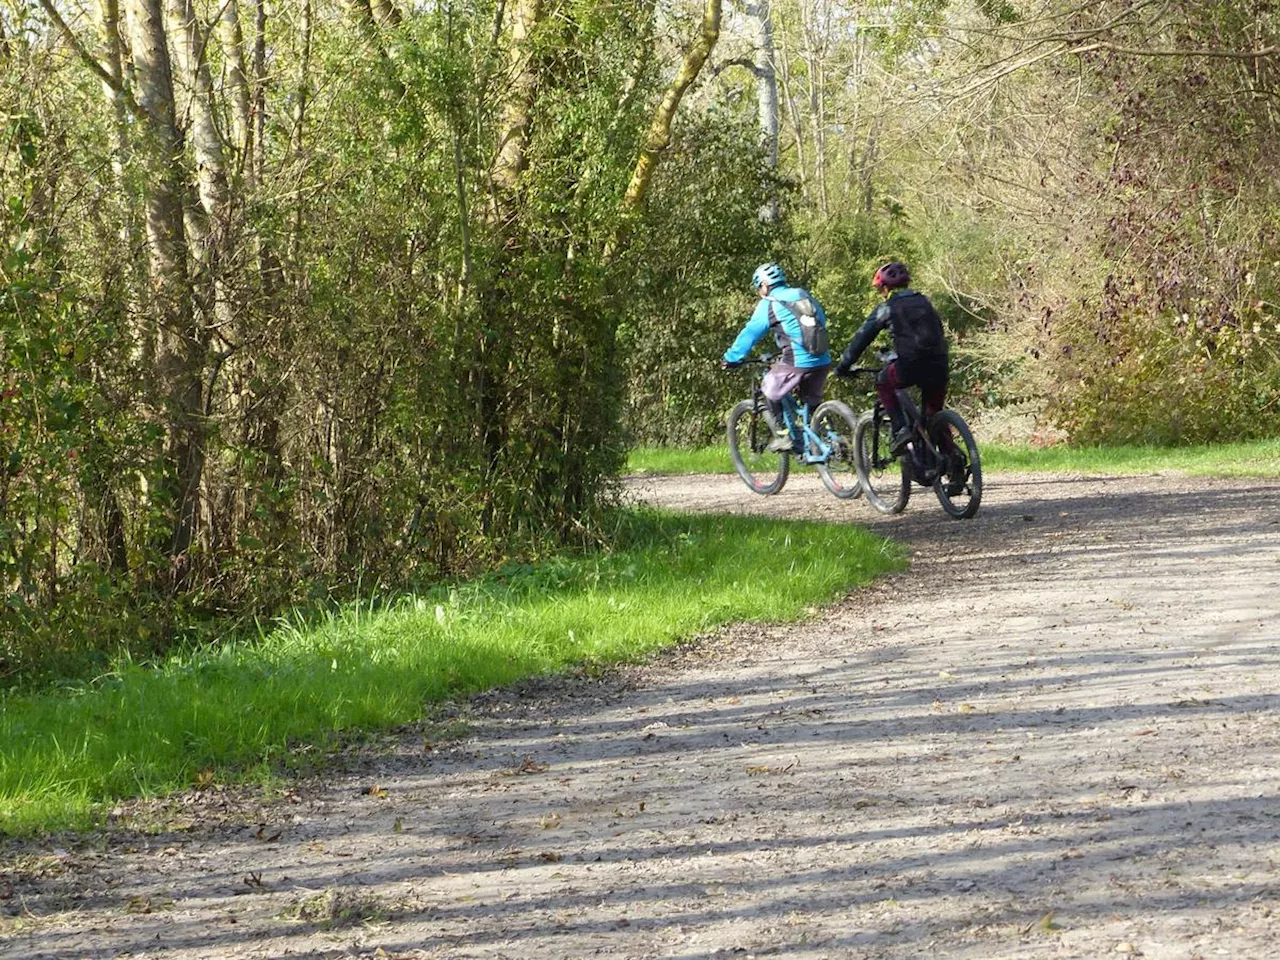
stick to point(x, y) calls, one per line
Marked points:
point(918, 340)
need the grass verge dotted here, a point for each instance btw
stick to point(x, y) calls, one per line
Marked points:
point(217, 714)
point(1259, 458)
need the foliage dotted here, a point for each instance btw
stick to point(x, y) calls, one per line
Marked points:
point(365, 362)
point(703, 242)
point(1181, 342)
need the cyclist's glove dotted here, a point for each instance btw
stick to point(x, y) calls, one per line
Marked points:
point(843, 372)
point(730, 364)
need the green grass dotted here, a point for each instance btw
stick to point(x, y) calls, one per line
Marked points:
point(1259, 458)
point(223, 713)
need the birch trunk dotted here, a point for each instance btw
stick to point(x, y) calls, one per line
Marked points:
point(814, 56)
point(258, 97)
point(301, 95)
point(237, 79)
point(793, 113)
point(761, 16)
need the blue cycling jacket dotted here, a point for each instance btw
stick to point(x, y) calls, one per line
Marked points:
point(774, 313)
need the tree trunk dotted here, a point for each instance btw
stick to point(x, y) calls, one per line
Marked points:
point(793, 113)
point(258, 96)
point(180, 344)
point(385, 13)
point(301, 95)
point(814, 56)
point(761, 15)
point(238, 84)
point(522, 79)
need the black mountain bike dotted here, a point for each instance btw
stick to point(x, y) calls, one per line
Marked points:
point(941, 454)
point(824, 440)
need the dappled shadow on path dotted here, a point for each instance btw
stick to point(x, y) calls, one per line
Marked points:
point(1073, 714)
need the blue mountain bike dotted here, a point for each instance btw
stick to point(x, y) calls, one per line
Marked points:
point(823, 439)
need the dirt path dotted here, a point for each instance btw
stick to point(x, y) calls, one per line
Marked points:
point(1057, 735)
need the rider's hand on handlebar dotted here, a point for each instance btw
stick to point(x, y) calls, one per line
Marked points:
point(729, 365)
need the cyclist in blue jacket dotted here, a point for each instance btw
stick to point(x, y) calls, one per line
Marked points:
point(799, 326)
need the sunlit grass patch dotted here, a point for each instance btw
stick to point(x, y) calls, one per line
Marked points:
point(1259, 458)
point(239, 709)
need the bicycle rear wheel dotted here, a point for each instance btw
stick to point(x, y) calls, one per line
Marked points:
point(959, 485)
point(835, 423)
point(885, 479)
point(763, 471)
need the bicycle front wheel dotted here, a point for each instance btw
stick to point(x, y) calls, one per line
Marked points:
point(762, 470)
point(835, 423)
point(885, 480)
point(959, 484)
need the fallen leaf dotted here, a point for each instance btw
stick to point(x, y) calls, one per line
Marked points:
point(526, 765)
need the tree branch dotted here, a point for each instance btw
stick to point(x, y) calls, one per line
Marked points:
point(744, 62)
point(98, 70)
point(659, 136)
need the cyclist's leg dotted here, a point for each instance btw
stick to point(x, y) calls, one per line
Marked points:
point(773, 413)
point(888, 383)
point(933, 395)
point(812, 386)
point(776, 387)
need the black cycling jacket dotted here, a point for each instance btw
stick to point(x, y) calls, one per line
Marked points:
point(914, 325)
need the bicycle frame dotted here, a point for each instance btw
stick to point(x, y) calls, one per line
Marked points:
point(795, 417)
point(926, 458)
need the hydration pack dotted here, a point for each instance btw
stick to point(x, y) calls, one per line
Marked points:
point(813, 333)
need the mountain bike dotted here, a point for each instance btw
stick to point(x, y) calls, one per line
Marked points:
point(824, 440)
point(941, 454)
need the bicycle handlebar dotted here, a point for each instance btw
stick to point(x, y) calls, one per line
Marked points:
point(766, 359)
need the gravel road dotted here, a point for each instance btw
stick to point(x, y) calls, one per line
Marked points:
point(1056, 735)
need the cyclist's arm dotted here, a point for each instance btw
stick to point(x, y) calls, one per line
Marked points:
point(878, 320)
point(756, 328)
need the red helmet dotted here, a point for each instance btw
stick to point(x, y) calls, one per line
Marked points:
point(893, 274)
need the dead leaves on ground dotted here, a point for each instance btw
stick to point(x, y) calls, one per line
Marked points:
point(526, 766)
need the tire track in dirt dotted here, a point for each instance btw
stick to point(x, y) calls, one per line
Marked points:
point(1057, 735)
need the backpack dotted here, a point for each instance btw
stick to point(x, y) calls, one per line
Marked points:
point(813, 334)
